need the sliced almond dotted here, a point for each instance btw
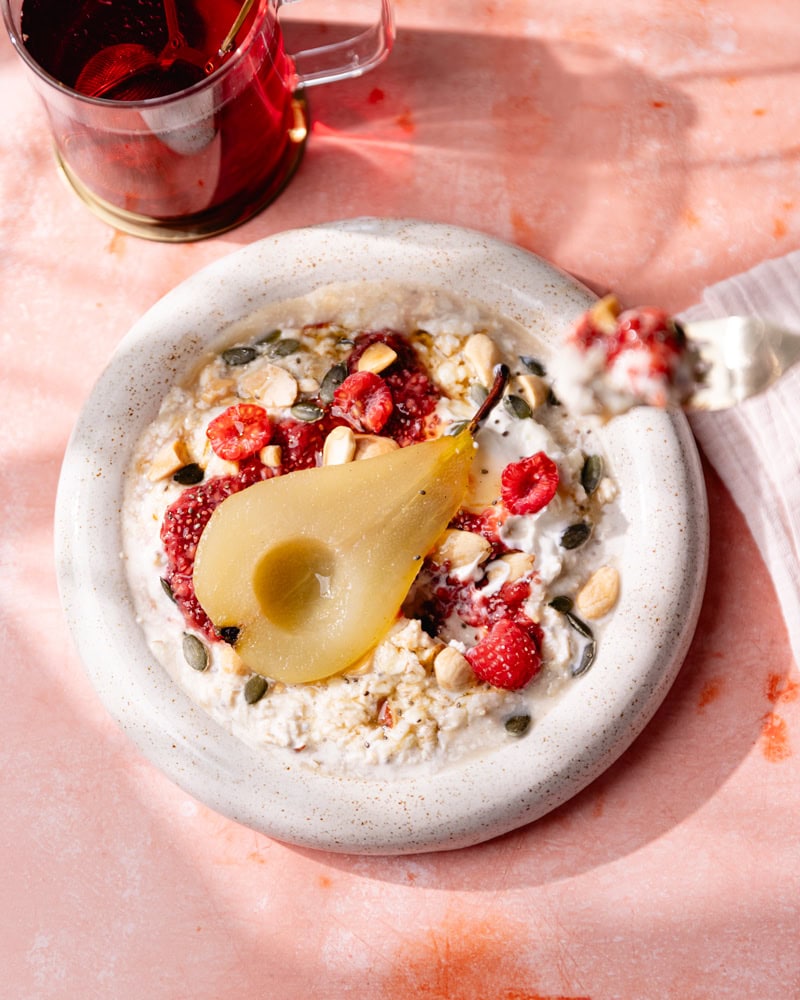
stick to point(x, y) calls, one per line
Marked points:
point(271, 455)
point(533, 389)
point(214, 389)
point(168, 459)
point(372, 445)
point(599, 594)
point(339, 447)
point(461, 548)
point(376, 358)
point(604, 313)
point(270, 385)
point(452, 669)
point(482, 354)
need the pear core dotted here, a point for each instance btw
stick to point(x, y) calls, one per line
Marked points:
point(312, 567)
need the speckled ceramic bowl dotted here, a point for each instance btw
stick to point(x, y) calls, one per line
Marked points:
point(663, 563)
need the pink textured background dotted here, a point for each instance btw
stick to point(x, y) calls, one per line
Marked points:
point(651, 148)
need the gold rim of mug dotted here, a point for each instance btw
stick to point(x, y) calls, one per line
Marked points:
point(202, 225)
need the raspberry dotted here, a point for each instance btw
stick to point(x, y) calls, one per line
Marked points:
point(508, 656)
point(182, 527)
point(651, 330)
point(365, 401)
point(530, 484)
point(240, 431)
point(300, 442)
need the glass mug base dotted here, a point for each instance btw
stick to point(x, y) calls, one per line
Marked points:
point(220, 218)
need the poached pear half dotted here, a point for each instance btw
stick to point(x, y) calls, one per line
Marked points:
point(312, 567)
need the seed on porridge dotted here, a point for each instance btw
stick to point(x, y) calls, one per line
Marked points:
point(268, 338)
point(518, 725)
point(575, 535)
point(307, 412)
point(331, 381)
point(283, 347)
point(189, 475)
point(562, 603)
point(517, 406)
point(534, 365)
point(195, 652)
point(165, 586)
point(255, 689)
point(592, 473)
point(587, 658)
point(235, 356)
point(579, 625)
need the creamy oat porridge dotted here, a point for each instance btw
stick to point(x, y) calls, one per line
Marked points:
point(506, 606)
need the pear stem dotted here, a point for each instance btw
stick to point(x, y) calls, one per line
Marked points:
point(501, 376)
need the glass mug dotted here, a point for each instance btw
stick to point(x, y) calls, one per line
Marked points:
point(159, 130)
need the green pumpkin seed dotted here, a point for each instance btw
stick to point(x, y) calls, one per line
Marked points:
point(283, 348)
point(477, 393)
point(189, 475)
point(591, 473)
point(562, 603)
point(307, 412)
point(455, 429)
point(517, 725)
point(517, 406)
point(334, 377)
point(268, 338)
point(579, 625)
point(165, 586)
point(239, 356)
point(255, 689)
point(195, 652)
point(534, 366)
point(587, 658)
point(575, 535)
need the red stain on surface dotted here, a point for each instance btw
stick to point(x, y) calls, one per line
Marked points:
point(376, 95)
point(465, 959)
point(690, 218)
point(781, 689)
point(710, 692)
point(659, 104)
point(775, 738)
point(406, 121)
point(779, 229)
point(523, 231)
point(325, 881)
point(759, 112)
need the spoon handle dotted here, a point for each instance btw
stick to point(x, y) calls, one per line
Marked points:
point(230, 39)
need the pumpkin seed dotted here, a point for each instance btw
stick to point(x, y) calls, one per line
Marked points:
point(195, 652)
point(255, 689)
point(517, 725)
point(562, 603)
point(586, 659)
point(268, 338)
point(333, 378)
point(283, 348)
point(455, 429)
point(165, 586)
point(575, 535)
point(229, 634)
point(534, 366)
point(579, 625)
point(552, 399)
point(189, 475)
point(307, 412)
point(591, 473)
point(239, 356)
point(517, 406)
point(477, 393)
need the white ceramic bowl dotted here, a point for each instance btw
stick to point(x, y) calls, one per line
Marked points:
point(663, 562)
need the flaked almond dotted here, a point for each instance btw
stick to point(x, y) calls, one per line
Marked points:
point(270, 385)
point(452, 669)
point(482, 354)
point(460, 549)
point(376, 358)
point(372, 445)
point(214, 389)
point(532, 388)
point(168, 459)
point(271, 455)
point(339, 447)
point(599, 594)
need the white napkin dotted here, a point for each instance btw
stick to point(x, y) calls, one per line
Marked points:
point(755, 447)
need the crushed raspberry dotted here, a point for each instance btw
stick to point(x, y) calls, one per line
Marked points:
point(508, 656)
point(644, 329)
point(182, 527)
point(240, 431)
point(300, 442)
point(365, 401)
point(413, 394)
point(529, 485)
